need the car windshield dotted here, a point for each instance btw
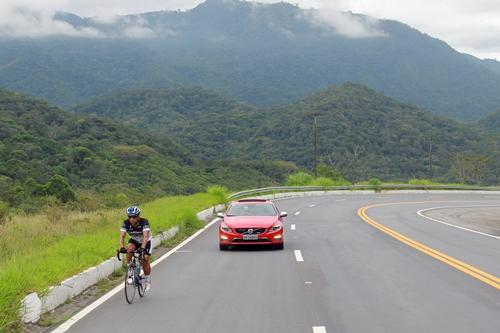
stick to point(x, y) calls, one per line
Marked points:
point(252, 210)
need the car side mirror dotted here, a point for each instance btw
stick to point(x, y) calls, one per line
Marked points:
point(221, 215)
point(283, 214)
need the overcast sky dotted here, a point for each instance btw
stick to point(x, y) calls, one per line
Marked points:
point(470, 26)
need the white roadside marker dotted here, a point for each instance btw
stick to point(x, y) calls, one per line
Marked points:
point(298, 256)
point(319, 329)
point(292, 227)
point(297, 213)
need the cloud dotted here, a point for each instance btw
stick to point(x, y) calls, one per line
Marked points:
point(136, 27)
point(344, 23)
point(19, 21)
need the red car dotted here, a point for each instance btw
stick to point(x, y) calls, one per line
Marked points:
point(251, 221)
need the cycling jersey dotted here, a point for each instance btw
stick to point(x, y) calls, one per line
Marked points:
point(135, 232)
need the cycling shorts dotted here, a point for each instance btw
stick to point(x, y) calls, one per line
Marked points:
point(138, 245)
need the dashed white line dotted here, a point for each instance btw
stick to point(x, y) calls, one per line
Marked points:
point(292, 227)
point(297, 213)
point(338, 200)
point(319, 329)
point(312, 205)
point(298, 256)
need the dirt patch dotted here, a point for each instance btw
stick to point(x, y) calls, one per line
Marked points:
point(482, 219)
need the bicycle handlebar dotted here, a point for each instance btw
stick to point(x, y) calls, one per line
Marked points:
point(126, 251)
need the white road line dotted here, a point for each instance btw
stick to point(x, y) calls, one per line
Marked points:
point(319, 329)
point(308, 282)
point(338, 200)
point(67, 324)
point(292, 227)
point(298, 256)
point(421, 213)
point(312, 205)
point(297, 213)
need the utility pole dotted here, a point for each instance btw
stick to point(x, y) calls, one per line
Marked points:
point(430, 159)
point(315, 131)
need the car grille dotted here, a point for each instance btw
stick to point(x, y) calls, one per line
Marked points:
point(255, 231)
point(260, 240)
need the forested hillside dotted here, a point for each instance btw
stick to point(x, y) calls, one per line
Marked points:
point(45, 151)
point(265, 54)
point(491, 122)
point(361, 132)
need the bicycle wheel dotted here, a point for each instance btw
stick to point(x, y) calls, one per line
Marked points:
point(130, 287)
point(141, 288)
point(140, 282)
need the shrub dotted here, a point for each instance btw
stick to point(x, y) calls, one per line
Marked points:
point(220, 193)
point(333, 173)
point(299, 179)
point(4, 212)
point(374, 182)
point(322, 181)
point(59, 187)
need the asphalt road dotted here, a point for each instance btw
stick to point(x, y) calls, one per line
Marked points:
point(353, 277)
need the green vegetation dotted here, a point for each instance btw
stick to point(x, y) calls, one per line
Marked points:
point(51, 157)
point(41, 250)
point(302, 178)
point(361, 134)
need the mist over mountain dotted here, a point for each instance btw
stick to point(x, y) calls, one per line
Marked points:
point(265, 54)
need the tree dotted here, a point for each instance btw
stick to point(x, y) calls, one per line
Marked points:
point(59, 187)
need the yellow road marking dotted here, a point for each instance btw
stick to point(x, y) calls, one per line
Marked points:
point(461, 266)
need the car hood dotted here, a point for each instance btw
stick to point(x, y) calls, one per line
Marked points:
point(250, 221)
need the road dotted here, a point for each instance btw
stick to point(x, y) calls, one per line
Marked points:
point(353, 277)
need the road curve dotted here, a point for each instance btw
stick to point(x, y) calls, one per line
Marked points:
point(337, 273)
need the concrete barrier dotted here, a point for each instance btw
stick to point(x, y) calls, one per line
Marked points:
point(32, 306)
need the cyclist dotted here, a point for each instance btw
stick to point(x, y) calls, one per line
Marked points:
point(140, 239)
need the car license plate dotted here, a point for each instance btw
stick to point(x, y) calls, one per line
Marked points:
point(250, 237)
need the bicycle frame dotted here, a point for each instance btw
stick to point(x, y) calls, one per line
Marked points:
point(133, 279)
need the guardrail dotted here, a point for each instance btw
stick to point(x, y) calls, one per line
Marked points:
point(383, 187)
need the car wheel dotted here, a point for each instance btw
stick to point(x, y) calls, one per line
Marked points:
point(223, 247)
point(279, 246)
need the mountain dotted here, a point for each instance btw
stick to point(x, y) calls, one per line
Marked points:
point(207, 123)
point(39, 141)
point(492, 64)
point(361, 132)
point(265, 54)
point(491, 122)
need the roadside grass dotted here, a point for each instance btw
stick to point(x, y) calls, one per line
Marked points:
point(42, 250)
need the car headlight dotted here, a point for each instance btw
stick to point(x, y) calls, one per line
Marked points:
point(225, 228)
point(276, 227)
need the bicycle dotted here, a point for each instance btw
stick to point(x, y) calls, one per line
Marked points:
point(133, 278)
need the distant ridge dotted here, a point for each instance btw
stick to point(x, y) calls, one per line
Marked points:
point(361, 132)
point(265, 54)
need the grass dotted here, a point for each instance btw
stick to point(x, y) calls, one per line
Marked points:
point(42, 250)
